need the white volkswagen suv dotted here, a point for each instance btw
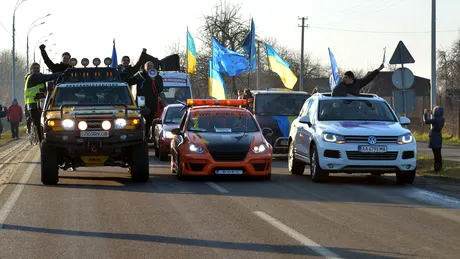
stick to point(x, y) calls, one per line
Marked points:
point(358, 134)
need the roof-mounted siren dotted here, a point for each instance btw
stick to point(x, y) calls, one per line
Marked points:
point(85, 62)
point(73, 62)
point(108, 62)
point(96, 62)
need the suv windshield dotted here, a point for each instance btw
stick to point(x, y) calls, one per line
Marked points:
point(171, 94)
point(222, 122)
point(174, 115)
point(279, 104)
point(92, 95)
point(354, 110)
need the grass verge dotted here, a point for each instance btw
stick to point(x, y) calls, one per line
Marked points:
point(451, 169)
point(6, 135)
point(446, 138)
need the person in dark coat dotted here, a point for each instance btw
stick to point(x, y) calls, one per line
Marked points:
point(150, 88)
point(58, 67)
point(14, 117)
point(435, 142)
point(126, 70)
point(351, 85)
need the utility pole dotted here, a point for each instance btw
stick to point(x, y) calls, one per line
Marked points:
point(13, 78)
point(302, 63)
point(433, 54)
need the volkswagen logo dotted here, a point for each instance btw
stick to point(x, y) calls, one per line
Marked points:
point(372, 140)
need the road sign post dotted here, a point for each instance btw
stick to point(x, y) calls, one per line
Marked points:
point(402, 56)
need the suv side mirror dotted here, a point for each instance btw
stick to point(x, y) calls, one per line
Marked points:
point(404, 120)
point(176, 131)
point(141, 101)
point(305, 119)
point(267, 132)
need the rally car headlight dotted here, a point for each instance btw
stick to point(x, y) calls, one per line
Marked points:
point(329, 137)
point(168, 134)
point(120, 124)
point(196, 149)
point(405, 139)
point(259, 149)
point(68, 124)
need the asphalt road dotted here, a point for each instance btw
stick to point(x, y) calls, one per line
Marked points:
point(99, 213)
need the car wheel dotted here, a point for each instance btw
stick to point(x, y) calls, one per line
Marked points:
point(317, 174)
point(49, 165)
point(156, 149)
point(295, 167)
point(139, 166)
point(407, 177)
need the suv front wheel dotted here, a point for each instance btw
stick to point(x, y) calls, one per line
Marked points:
point(406, 177)
point(139, 166)
point(317, 173)
point(294, 166)
point(49, 165)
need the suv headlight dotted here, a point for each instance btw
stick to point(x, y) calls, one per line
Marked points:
point(333, 138)
point(120, 124)
point(259, 149)
point(196, 149)
point(68, 124)
point(405, 139)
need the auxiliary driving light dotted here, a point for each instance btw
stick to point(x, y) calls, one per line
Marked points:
point(96, 62)
point(123, 137)
point(106, 125)
point(85, 62)
point(108, 61)
point(73, 62)
point(82, 125)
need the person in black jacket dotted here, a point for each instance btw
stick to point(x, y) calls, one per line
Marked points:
point(150, 88)
point(58, 67)
point(126, 70)
point(435, 142)
point(351, 85)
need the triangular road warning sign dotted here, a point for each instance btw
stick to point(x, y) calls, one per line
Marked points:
point(401, 55)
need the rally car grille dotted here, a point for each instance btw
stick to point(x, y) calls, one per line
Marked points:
point(228, 156)
point(355, 155)
point(364, 139)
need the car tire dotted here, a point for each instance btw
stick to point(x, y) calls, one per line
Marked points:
point(156, 149)
point(317, 174)
point(407, 177)
point(49, 165)
point(162, 155)
point(139, 166)
point(295, 167)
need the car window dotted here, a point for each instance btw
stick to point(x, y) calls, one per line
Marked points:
point(222, 122)
point(174, 115)
point(361, 110)
point(92, 95)
point(307, 107)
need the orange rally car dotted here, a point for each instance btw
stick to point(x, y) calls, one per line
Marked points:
point(217, 137)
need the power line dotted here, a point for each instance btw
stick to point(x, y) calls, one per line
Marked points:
point(382, 32)
point(4, 27)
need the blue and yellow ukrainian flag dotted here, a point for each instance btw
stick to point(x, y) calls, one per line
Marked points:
point(216, 84)
point(191, 54)
point(281, 67)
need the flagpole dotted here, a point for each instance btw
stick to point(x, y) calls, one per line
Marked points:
point(249, 70)
point(258, 64)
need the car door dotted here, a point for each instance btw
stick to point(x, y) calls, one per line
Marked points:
point(309, 131)
point(299, 131)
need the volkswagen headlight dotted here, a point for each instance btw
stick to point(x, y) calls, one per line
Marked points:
point(333, 138)
point(196, 149)
point(120, 124)
point(168, 134)
point(68, 124)
point(405, 139)
point(259, 149)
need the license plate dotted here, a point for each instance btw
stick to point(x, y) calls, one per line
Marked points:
point(94, 134)
point(229, 171)
point(283, 142)
point(373, 149)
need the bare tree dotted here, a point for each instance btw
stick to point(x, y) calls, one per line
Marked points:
point(6, 76)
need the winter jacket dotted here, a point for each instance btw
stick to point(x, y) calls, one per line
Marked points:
point(55, 68)
point(343, 89)
point(437, 123)
point(14, 113)
point(145, 87)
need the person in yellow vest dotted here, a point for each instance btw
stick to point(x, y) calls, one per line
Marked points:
point(34, 87)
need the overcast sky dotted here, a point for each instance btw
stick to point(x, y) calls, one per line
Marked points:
point(355, 30)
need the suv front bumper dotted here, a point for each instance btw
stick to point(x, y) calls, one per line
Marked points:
point(72, 139)
point(347, 158)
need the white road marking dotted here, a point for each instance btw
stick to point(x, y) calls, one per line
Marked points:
point(216, 187)
point(9, 204)
point(312, 245)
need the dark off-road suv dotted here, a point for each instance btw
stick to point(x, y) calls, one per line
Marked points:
point(92, 119)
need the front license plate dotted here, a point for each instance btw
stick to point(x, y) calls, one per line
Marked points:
point(229, 171)
point(94, 134)
point(283, 142)
point(373, 149)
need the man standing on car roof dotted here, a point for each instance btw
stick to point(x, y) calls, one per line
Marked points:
point(56, 67)
point(351, 85)
point(126, 70)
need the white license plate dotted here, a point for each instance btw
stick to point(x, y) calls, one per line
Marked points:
point(284, 142)
point(373, 149)
point(94, 134)
point(229, 171)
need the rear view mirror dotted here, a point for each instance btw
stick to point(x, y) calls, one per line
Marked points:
point(140, 101)
point(404, 120)
point(267, 131)
point(176, 131)
point(305, 119)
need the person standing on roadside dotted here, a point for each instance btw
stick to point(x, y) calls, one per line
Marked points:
point(435, 141)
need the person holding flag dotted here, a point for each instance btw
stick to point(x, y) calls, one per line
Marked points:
point(351, 85)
